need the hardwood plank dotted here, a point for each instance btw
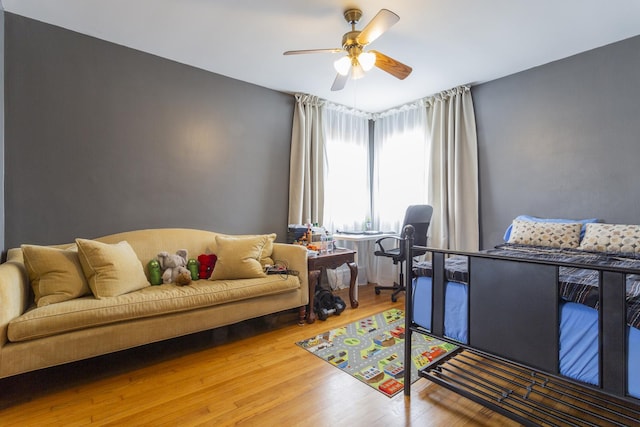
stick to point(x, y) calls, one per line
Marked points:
point(246, 374)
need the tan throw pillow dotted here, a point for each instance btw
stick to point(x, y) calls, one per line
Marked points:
point(611, 238)
point(111, 269)
point(55, 274)
point(549, 234)
point(267, 251)
point(239, 257)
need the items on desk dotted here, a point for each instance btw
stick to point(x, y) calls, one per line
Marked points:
point(317, 239)
point(363, 232)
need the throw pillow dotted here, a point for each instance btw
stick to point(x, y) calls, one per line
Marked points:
point(267, 251)
point(507, 233)
point(239, 257)
point(111, 269)
point(611, 238)
point(55, 274)
point(549, 234)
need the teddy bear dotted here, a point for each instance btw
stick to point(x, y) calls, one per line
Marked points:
point(174, 267)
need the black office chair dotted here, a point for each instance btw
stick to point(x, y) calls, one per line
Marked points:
point(419, 216)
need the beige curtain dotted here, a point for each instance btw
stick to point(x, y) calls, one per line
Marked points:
point(453, 170)
point(307, 166)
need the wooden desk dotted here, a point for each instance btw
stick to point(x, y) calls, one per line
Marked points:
point(331, 260)
point(364, 245)
point(362, 237)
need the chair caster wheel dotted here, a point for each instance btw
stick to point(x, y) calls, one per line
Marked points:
point(377, 291)
point(394, 298)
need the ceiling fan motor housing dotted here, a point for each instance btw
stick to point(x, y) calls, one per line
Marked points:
point(349, 40)
point(352, 16)
point(350, 44)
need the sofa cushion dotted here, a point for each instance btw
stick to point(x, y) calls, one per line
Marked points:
point(111, 269)
point(55, 274)
point(87, 312)
point(239, 257)
point(267, 250)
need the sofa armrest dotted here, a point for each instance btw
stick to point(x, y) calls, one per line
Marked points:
point(295, 257)
point(14, 291)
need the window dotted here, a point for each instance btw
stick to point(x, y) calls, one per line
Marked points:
point(347, 186)
point(400, 165)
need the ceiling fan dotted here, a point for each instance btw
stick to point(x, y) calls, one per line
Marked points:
point(358, 61)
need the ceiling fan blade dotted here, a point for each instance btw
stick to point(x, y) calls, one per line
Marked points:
point(391, 66)
point(380, 23)
point(300, 52)
point(340, 81)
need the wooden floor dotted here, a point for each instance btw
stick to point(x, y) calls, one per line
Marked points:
point(248, 374)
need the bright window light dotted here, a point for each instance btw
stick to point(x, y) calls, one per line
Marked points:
point(401, 155)
point(347, 194)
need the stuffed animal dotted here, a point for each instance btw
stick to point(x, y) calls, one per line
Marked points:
point(174, 267)
point(192, 266)
point(155, 273)
point(207, 263)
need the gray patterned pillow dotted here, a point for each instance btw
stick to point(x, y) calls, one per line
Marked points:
point(611, 238)
point(550, 234)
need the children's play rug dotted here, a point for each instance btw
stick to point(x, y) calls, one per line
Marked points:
point(372, 350)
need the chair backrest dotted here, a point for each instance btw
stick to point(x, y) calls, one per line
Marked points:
point(419, 216)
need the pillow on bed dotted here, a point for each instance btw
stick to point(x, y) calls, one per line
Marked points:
point(611, 238)
point(584, 222)
point(549, 234)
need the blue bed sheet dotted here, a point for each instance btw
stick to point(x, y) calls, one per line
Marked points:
point(455, 302)
point(578, 332)
point(579, 342)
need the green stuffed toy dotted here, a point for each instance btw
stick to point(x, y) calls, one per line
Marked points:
point(155, 275)
point(192, 266)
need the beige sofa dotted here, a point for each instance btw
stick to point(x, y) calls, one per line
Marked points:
point(34, 337)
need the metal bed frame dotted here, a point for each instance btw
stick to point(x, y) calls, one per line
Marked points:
point(511, 363)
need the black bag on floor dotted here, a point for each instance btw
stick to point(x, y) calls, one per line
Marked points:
point(325, 303)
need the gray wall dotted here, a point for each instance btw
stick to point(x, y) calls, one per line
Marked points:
point(1, 127)
point(101, 139)
point(561, 140)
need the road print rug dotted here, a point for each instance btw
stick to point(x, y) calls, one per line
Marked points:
point(372, 350)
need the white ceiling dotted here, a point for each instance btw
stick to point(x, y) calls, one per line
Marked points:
point(447, 42)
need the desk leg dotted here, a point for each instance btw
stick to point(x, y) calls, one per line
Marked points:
point(314, 275)
point(353, 290)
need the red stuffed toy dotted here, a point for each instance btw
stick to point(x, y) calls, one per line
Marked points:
point(207, 263)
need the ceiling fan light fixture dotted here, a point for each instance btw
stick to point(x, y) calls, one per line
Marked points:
point(342, 65)
point(357, 62)
point(367, 60)
point(357, 72)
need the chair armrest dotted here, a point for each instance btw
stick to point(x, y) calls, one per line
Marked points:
point(379, 243)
